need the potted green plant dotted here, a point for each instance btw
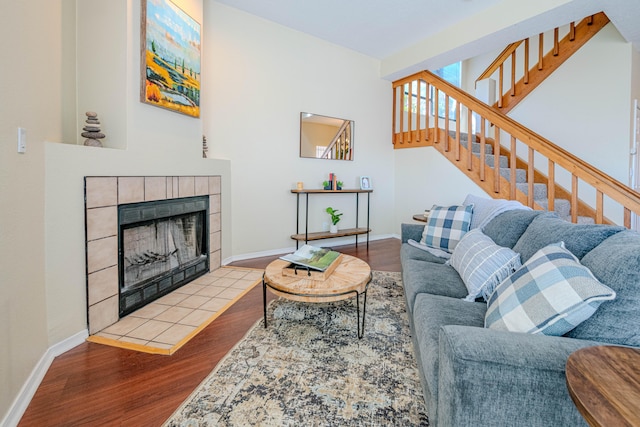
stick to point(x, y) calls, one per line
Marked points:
point(335, 219)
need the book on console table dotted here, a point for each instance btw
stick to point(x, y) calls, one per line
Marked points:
point(312, 261)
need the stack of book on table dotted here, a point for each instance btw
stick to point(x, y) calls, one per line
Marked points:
point(318, 263)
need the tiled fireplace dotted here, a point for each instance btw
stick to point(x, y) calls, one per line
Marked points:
point(104, 196)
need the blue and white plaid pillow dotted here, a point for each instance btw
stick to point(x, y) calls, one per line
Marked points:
point(550, 294)
point(482, 264)
point(446, 225)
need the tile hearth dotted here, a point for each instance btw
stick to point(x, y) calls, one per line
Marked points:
point(164, 325)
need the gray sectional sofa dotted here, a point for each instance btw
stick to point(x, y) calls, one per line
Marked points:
point(476, 376)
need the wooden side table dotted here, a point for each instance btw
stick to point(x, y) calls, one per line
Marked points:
point(604, 383)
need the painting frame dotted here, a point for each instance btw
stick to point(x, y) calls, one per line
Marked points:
point(365, 183)
point(170, 57)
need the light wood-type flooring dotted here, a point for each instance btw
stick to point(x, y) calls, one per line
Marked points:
point(99, 385)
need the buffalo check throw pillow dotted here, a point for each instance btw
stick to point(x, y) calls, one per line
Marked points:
point(446, 225)
point(550, 294)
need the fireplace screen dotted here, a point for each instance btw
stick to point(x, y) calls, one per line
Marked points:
point(163, 245)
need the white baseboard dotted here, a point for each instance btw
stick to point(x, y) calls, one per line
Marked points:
point(334, 242)
point(21, 402)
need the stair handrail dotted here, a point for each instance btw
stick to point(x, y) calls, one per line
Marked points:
point(499, 61)
point(602, 182)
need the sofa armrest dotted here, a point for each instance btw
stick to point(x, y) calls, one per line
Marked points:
point(489, 378)
point(411, 231)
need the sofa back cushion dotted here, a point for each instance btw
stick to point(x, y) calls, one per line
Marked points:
point(578, 238)
point(616, 263)
point(506, 228)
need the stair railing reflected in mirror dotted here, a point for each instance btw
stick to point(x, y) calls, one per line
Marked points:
point(323, 137)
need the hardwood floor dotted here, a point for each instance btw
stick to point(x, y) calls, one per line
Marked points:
point(95, 384)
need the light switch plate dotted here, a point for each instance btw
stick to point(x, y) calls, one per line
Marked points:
point(22, 140)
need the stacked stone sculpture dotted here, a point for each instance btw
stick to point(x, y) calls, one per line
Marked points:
point(205, 147)
point(92, 130)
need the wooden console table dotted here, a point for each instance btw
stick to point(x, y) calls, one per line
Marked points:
point(307, 236)
point(604, 383)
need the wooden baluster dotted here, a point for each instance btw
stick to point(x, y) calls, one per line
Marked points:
point(556, 42)
point(500, 85)
point(483, 154)
point(402, 114)
point(551, 187)
point(513, 73)
point(526, 61)
point(458, 120)
point(530, 177)
point(470, 139)
point(395, 112)
point(512, 169)
point(410, 113)
point(436, 116)
point(496, 160)
point(418, 110)
point(590, 20)
point(600, 207)
point(572, 31)
point(446, 122)
point(427, 113)
point(627, 217)
point(540, 50)
point(574, 198)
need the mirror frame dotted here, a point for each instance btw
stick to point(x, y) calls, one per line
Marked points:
point(328, 137)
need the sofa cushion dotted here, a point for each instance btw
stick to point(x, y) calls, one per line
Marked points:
point(482, 264)
point(408, 251)
point(431, 313)
point(486, 208)
point(616, 263)
point(551, 294)
point(506, 228)
point(578, 238)
point(428, 277)
point(446, 225)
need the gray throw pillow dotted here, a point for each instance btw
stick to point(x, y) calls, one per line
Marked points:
point(616, 263)
point(506, 228)
point(578, 238)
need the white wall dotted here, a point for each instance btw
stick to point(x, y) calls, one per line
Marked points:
point(424, 177)
point(260, 76)
point(31, 67)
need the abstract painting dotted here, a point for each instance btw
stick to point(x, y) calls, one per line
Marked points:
point(170, 58)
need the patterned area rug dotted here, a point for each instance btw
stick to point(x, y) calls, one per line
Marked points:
point(309, 368)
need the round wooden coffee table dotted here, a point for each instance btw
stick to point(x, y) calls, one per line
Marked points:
point(350, 278)
point(604, 383)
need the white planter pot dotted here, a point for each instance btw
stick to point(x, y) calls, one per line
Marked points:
point(333, 228)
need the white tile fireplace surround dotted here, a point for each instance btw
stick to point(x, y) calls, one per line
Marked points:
point(103, 195)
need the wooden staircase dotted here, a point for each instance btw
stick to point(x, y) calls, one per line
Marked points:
point(521, 79)
point(530, 169)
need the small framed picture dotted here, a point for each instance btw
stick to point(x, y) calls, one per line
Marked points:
point(365, 183)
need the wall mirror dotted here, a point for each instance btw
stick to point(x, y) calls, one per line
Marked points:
point(323, 137)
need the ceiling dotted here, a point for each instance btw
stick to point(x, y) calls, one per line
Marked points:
point(381, 28)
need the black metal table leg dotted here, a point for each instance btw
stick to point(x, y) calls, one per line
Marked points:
point(264, 300)
point(364, 313)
